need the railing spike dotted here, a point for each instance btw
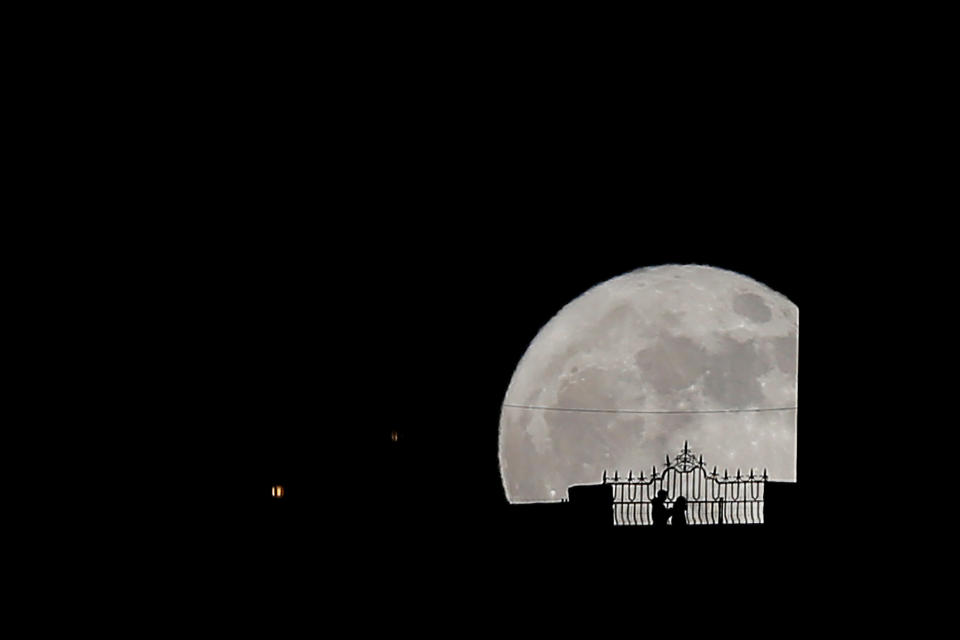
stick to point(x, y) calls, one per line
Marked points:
point(630, 477)
point(764, 473)
point(738, 473)
point(641, 475)
point(725, 476)
point(714, 469)
point(685, 446)
point(604, 476)
point(616, 475)
point(668, 459)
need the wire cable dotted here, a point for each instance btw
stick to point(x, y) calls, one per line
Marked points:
point(525, 406)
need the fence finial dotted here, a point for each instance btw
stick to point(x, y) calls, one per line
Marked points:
point(630, 477)
point(751, 473)
point(604, 476)
point(616, 475)
point(764, 473)
point(714, 470)
point(641, 475)
point(667, 457)
point(725, 476)
point(738, 473)
point(685, 449)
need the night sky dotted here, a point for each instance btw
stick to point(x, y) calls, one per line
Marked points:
point(338, 293)
point(308, 340)
point(317, 257)
point(315, 343)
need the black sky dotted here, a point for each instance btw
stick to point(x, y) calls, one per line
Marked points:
point(310, 256)
point(332, 300)
point(353, 276)
point(314, 343)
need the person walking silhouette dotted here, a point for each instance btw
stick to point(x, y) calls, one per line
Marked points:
point(660, 512)
point(679, 512)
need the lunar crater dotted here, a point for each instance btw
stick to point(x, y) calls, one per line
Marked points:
point(752, 306)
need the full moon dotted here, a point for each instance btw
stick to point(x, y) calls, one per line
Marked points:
point(628, 371)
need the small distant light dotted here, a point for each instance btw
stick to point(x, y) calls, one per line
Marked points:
point(276, 491)
point(394, 436)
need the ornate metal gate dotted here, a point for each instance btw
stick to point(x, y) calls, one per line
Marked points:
point(711, 499)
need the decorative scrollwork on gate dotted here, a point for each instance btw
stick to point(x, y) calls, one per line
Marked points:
point(730, 500)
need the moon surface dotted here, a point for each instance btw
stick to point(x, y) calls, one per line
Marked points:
point(715, 350)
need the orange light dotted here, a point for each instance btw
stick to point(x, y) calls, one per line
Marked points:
point(276, 491)
point(394, 436)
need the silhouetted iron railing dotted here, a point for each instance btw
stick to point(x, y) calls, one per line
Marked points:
point(711, 499)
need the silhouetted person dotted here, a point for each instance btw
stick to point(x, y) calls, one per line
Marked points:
point(679, 512)
point(660, 512)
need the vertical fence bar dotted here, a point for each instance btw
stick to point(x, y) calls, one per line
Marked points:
point(699, 486)
point(735, 487)
point(618, 491)
point(613, 507)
